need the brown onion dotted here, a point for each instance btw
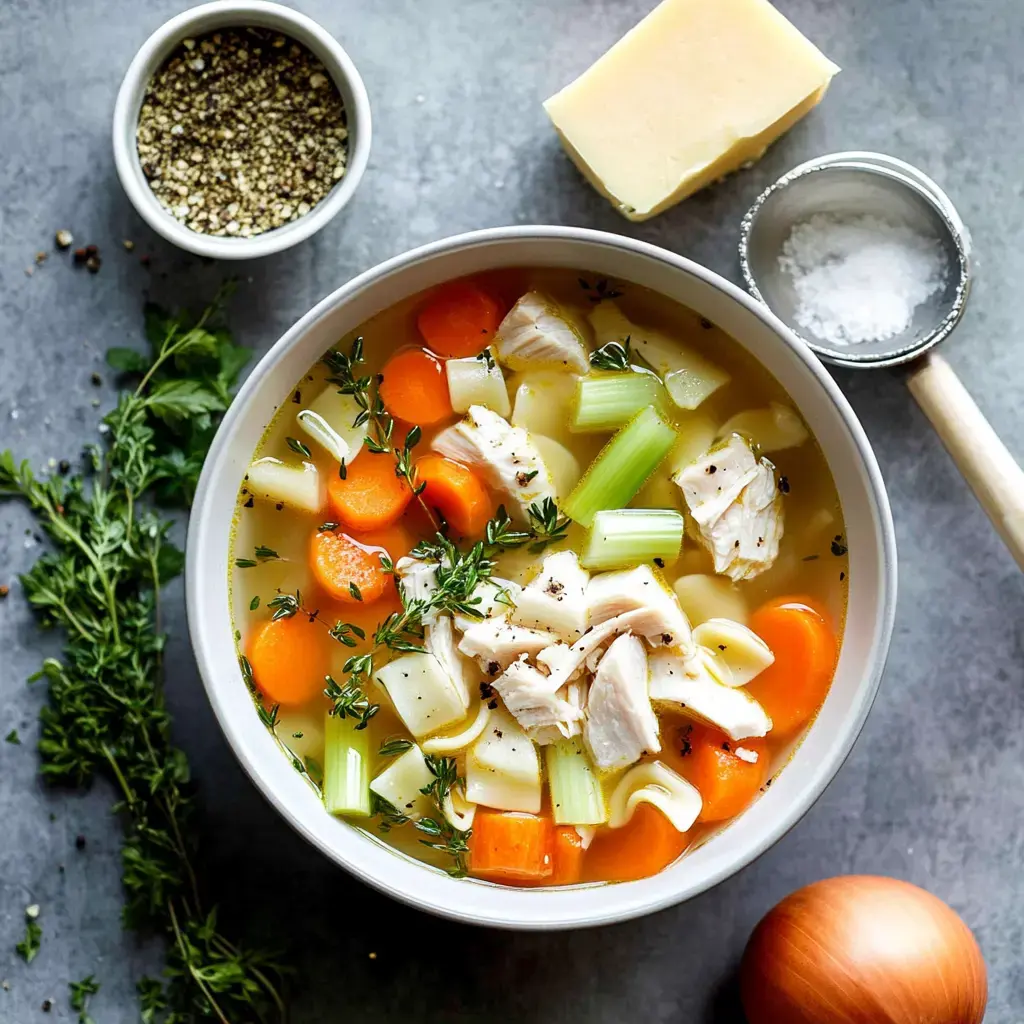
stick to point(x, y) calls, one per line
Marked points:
point(863, 950)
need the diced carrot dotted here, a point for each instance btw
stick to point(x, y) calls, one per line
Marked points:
point(456, 492)
point(567, 856)
point(645, 845)
point(372, 496)
point(510, 847)
point(347, 570)
point(804, 644)
point(415, 388)
point(707, 758)
point(289, 659)
point(459, 319)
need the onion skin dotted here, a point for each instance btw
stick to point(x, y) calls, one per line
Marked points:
point(863, 950)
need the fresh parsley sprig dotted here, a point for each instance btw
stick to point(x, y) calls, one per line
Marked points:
point(100, 584)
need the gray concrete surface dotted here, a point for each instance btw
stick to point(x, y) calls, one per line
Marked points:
point(934, 791)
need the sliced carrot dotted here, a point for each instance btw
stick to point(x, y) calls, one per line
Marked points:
point(415, 388)
point(397, 540)
point(804, 644)
point(510, 847)
point(289, 659)
point(707, 758)
point(644, 846)
point(456, 492)
point(459, 319)
point(347, 570)
point(372, 496)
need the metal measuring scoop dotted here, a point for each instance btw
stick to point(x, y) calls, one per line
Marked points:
point(858, 183)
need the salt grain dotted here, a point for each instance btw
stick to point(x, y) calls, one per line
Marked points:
point(859, 278)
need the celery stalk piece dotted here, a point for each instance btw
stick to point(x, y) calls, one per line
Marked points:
point(622, 538)
point(625, 462)
point(606, 401)
point(346, 767)
point(576, 797)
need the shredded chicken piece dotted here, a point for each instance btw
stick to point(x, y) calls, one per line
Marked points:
point(543, 713)
point(495, 643)
point(621, 726)
point(737, 506)
point(538, 333)
point(504, 455)
point(611, 594)
point(439, 640)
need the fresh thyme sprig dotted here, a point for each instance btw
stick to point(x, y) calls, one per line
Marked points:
point(444, 835)
point(547, 524)
point(612, 356)
point(372, 414)
point(106, 716)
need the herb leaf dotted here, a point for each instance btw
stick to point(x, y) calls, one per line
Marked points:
point(29, 946)
point(612, 356)
point(298, 447)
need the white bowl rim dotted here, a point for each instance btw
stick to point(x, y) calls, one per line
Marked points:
point(847, 734)
point(228, 13)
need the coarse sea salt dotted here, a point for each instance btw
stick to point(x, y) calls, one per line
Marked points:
point(859, 278)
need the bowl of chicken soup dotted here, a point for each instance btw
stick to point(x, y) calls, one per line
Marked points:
point(540, 577)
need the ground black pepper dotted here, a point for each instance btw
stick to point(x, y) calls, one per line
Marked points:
point(241, 131)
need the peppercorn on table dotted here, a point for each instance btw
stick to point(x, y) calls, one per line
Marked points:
point(931, 792)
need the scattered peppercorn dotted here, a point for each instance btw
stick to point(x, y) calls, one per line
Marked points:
point(784, 484)
point(79, 842)
point(842, 576)
point(241, 131)
point(47, 1005)
point(145, 259)
point(40, 258)
point(660, 563)
point(706, 323)
point(93, 264)
point(838, 547)
point(96, 379)
point(80, 255)
point(249, 503)
point(64, 239)
point(297, 398)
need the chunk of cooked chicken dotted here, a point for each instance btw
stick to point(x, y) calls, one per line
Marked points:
point(737, 506)
point(689, 686)
point(555, 599)
point(495, 643)
point(504, 455)
point(542, 711)
point(610, 594)
point(566, 661)
point(621, 725)
point(417, 581)
point(439, 640)
point(538, 333)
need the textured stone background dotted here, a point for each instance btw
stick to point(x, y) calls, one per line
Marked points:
point(934, 791)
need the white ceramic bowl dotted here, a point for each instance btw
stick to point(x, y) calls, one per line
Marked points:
point(861, 491)
point(238, 14)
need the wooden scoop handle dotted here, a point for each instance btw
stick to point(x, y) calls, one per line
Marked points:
point(986, 464)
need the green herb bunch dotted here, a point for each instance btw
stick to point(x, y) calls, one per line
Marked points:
point(106, 715)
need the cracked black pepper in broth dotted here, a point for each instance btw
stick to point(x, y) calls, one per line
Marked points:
point(241, 131)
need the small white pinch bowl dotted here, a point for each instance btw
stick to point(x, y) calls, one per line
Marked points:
point(819, 401)
point(239, 14)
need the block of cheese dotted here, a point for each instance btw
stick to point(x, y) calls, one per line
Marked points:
point(696, 90)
